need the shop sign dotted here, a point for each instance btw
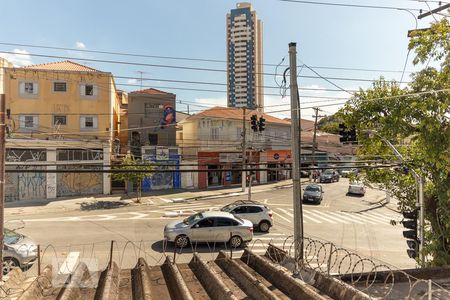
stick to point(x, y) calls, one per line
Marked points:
point(230, 157)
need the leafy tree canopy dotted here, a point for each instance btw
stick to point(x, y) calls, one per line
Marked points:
point(416, 120)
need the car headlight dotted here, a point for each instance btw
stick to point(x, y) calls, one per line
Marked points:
point(27, 251)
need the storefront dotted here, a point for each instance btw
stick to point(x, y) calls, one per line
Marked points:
point(277, 161)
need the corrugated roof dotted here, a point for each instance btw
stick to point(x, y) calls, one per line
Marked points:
point(151, 91)
point(65, 65)
point(235, 114)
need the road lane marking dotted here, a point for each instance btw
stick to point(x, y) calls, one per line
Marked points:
point(320, 217)
point(358, 218)
point(376, 219)
point(312, 219)
point(286, 219)
point(286, 212)
point(331, 217)
point(345, 217)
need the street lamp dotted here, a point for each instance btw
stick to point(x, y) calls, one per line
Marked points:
point(419, 188)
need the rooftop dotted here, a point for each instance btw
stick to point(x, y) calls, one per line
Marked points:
point(235, 114)
point(65, 65)
point(150, 91)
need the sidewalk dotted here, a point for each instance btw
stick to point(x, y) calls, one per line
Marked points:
point(100, 202)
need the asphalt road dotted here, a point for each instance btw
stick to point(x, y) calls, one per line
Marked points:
point(360, 224)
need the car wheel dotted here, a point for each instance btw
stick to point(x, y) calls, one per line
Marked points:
point(264, 226)
point(236, 241)
point(9, 263)
point(181, 241)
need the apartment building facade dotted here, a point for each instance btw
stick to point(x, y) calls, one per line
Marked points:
point(60, 116)
point(245, 58)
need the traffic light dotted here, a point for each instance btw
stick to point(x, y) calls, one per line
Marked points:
point(343, 133)
point(410, 222)
point(262, 124)
point(254, 122)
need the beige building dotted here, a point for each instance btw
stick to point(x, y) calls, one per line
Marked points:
point(61, 115)
point(245, 58)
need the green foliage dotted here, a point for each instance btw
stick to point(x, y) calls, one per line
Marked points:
point(137, 170)
point(329, 124)
point(418, 126)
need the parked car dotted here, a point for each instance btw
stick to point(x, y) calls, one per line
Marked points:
point(19, 251)
point(211, 226)
point(258, 213)
point(357, 188)
point(329, 175)
point(348, 172)
point(313, 193)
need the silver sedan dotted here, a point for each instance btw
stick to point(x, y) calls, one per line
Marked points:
point(19, 251)
point(210, 226)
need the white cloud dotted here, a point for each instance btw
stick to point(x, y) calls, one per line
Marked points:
point(132, 81)
point(80, 45)
point(20, 58)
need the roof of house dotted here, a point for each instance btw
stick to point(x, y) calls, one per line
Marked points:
point(150, 91)
point(235, 114)
point(306, 125)
point(65, 65)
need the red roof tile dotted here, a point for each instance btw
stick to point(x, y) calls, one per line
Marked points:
point(65, 65)
point(151, 91)
point(236, 114)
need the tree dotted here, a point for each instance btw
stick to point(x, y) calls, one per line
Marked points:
point(133, 171)
point(416, 120)
point(329, 124)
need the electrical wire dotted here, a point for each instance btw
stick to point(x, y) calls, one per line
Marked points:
point(350, 5)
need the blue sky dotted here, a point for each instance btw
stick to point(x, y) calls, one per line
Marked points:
point(326, 36)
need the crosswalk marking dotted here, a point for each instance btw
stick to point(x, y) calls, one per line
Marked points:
point(331, 217)
point(346, 218)
point(310, 218)
point(286, 219)
point(358, 218)
point(377, 219)
point(318, 216)
point(286, 212)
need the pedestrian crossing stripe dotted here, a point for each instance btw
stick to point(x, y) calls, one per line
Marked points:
point(319, 217)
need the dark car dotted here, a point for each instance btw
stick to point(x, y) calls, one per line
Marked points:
point(313, 193)
point(329, 176)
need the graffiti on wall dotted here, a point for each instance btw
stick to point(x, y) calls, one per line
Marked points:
point(24, 185)
point(16, 155)
point(74, 184)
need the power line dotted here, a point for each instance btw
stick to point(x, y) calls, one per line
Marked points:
point(351, 5)
point(184, 58)
point(169, 66)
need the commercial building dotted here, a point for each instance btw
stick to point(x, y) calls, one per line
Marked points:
point(244, 58)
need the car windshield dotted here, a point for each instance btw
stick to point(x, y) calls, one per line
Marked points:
point(328, 172)
point(192, 219)
point(312, 189)
point(228, 207)
point(10, 237)
point(359, 183)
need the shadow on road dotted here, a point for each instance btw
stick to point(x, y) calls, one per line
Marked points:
point(102, 205)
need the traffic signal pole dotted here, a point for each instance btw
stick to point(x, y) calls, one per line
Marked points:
point(419, 187)
point(295, 136)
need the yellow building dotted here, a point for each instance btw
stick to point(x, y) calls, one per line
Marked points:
point(61, 115)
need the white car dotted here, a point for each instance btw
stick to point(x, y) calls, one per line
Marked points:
point(258, 213)
point(210, 226)
point(357, 188)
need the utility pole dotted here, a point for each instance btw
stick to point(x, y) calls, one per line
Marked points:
point(2, 173)
point(250, 177)
point(244, 174)
point(436, 10)
point(295, 135)
point(316, 116)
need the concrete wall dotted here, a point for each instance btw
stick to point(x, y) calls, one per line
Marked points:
point(150, 122)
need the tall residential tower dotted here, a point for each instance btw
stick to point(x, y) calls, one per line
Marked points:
point(244, 58)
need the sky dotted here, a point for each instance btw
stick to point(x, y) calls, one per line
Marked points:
point(326, 36)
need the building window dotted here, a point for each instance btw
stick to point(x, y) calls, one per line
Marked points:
point(59, 120)
point(88, 90)
point(28, 121)
point(88, 122)
point(59, 86)
point(28, 88)
point(153, 139)
point(214, 133)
